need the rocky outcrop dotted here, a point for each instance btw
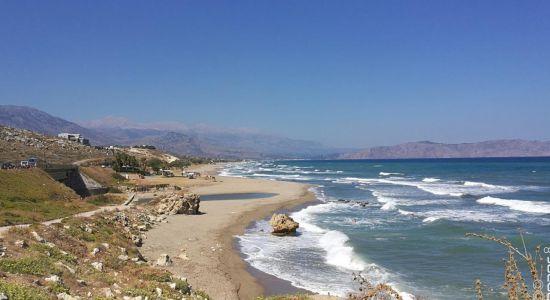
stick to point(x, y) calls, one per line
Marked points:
point(164, 260)
point(178, 203)
point(283, 224)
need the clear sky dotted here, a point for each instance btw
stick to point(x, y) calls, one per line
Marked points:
point(346, 73)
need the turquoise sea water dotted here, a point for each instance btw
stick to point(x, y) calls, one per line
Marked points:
point(412, 232)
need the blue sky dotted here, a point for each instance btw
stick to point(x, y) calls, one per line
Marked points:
point(346, 73)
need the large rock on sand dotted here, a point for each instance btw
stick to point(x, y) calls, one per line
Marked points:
point(177, 203)
point(283, 224)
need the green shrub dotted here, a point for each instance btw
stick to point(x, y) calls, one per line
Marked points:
point(57, 288)
point(183, 286)
point(16, 291)
point(54, 253)
point(153, 275)
point(28, 265)
point(201, 293)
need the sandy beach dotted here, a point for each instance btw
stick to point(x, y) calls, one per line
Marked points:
point(202, 246)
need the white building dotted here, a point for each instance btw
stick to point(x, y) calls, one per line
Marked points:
point(75, 137)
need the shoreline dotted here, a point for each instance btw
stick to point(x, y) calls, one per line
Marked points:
point(204, 248)
point(273, 285)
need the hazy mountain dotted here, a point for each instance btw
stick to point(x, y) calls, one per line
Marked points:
point(44, 123)
point(496, 148)
point(201, 139)
point(174, 137)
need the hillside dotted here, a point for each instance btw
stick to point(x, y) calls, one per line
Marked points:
point(176, 138)
point(30, 195)
point(19, 144)
point(496, 148)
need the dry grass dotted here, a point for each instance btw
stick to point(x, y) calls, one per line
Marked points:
point(30, 195)
point(105, 176)
point(369, 291)
point(516, 284)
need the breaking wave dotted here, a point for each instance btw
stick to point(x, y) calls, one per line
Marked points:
point(389, 174)
point(537, 207)
point(436, 187)
point(430, 179)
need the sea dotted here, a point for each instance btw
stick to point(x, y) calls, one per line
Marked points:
point(403, 222)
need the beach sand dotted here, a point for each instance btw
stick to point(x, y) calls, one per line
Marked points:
point(202, 246)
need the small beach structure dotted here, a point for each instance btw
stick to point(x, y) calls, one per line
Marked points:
point(191, 175)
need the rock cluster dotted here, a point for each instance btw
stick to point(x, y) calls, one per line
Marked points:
point(178, 203)
point(135, 222)
point(164, 260)
point(355, 202)
point(21, 244)
point(283, 224)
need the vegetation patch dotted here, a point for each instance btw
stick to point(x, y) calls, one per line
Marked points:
point(38, 265)
point(17, 291)
point(106, 199)
point(30, 195)
point(154, 275)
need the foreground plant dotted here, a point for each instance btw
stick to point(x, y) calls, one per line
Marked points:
point(368, 291)
point(514, 281)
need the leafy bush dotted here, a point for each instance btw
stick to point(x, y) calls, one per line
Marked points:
point(16, 291)
point(154, 275)
point(29, 265)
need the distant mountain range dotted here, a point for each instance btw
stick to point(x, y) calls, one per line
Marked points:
point(201, 140)
point(171, 137)
point(426, 149)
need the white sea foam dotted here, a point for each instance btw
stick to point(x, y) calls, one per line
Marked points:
point(482, 184)
point(430, 179)
point(391, 201)
point(339, 253)
point(283, 177)
point(405, 213)
point(328, 272)
point(438, 188)
point(388, 206)
point(431, 219)
point(389, 174)
point(465, 215)
point(538, 207)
